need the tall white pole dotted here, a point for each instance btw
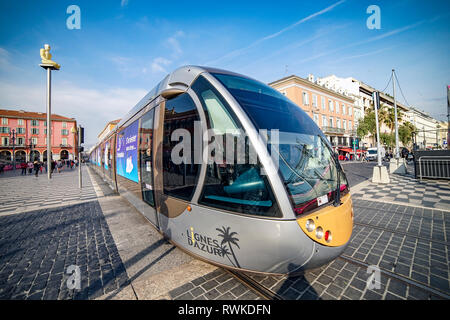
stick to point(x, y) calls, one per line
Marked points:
point(376, 103)
point(49, 132)
point(79, 157)
point(397, 154)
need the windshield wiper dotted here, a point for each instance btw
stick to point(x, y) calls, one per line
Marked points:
point(337, 198)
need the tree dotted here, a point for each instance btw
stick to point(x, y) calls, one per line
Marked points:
point(388, 139)
point(405, 132)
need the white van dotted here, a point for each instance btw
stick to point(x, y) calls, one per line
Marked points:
point(371, 153)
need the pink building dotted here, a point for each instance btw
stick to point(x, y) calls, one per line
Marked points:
point(30, 132)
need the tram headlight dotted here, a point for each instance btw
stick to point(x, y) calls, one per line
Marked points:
point(319, 232)
point(310, 225)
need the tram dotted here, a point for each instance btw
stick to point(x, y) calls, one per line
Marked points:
point(230, 171)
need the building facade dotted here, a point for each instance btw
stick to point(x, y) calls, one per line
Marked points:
point(427, 135)
point(332, 111)
point(107, 129)
point(362, 95)
point(23, 136)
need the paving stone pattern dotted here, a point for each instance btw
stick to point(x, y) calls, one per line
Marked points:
point(408, 190)
point(37, 247)
point(25, 193)
point(216, 285)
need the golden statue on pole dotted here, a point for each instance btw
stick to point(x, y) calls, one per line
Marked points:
point(46, 57)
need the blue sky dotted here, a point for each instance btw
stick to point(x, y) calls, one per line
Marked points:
point(125, 47)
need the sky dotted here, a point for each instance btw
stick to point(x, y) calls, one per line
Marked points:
point(125, 47)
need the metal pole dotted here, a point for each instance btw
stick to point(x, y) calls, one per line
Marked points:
point(79, 157)
point(397, 155)
point(49, 132)
point(376, 103)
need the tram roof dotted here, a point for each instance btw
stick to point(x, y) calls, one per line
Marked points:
point(180, 79)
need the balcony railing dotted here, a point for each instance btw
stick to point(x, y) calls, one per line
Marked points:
point(333, 130)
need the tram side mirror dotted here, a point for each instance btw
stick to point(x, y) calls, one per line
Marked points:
point(171, 93)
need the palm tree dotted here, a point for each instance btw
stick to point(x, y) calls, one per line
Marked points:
point(228, 238)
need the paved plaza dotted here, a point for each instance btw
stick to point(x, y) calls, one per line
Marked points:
point(48, 228)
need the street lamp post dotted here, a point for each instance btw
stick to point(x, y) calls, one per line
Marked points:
point(77, 131)
point(49, 65)
point(12, 136)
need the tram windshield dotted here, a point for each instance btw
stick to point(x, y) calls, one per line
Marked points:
point(302, 152)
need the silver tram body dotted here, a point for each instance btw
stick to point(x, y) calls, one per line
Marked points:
point(197, 206)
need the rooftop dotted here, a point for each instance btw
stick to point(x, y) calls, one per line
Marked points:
point(21, 114)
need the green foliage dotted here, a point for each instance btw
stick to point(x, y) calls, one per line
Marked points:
point(388, 139)
point(405, 132)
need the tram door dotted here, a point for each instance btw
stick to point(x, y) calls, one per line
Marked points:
point(176, 174)
point(146, 165)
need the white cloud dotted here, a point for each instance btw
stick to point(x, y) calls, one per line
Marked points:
point(92, 108)
point(123, 3)
point(159, 63)
point(174, 44)
point(276, 34)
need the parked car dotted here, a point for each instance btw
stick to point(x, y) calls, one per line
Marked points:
point(372, 153)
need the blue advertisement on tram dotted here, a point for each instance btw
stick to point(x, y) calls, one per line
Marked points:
point(126, 152)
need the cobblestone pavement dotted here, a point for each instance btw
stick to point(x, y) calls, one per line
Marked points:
point(408, 190)
point(121, 256)
point(37, 248)
point(408, 243)
point(25, 193)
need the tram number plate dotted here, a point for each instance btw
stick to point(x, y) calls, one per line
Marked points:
point(322, 200)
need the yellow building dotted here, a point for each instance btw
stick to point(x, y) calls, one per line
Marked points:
point(333, 112)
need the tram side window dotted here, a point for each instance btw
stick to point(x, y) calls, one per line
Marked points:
point(145, 152)
point(236, 183)
point(180, 179)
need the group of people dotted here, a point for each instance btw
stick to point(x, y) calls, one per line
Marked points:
point(38, 167)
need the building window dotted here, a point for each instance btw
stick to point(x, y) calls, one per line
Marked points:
point(338, 123)
point(330, 105)
point(64, 141)
point(20, 122)
point(316, 118)
point(344, 124)
point(5, 141)
point(314, 102)
point(338, 107)
point(34, 131)
point(21, 130)
point(20, 141)
point(34, 141)
point(64, 124)
point(323, 103)
point(324, 121)
point(331, 122)
point(305, 99)
point(5, 121)
point(350, 124)
point(4, 130)
point(343, 109)
point(350, 110)
point(64, 132)
point(35, 123)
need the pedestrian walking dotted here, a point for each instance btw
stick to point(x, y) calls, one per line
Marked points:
point(30, 167)
point(36, 166)
point(53, 165)
point(24, 166)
